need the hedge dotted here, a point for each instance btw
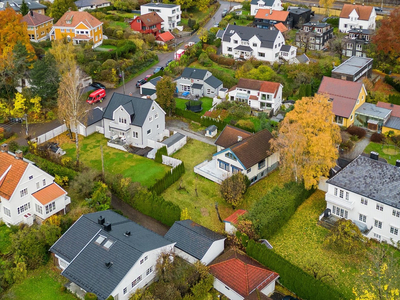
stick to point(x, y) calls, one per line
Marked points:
point(292, 277)
point(168, 179)
point(394, 83)
point(394, 99)
point(125, 48)
point(277, 207)
point(160, 152)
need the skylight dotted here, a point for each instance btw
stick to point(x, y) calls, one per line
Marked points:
point(100, 239)
point(108, 244)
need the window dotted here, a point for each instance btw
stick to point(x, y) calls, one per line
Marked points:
point(135, 134)
point(37, 185)
point(223, 165)
point(379, 207)
point(44, 182)
point(377, 236)
point(362, 218)
point(50, 207)
point(136, 281)
point(208, 91)
point(347, 195)
point(31, 177)
point(254, 44)
point(155, 116)
point(125, 290)
point(364, 201)
point(229, 49)
point(24, 192)
point(340, 212)
point(248, 171)
point(335, 191)
point(235, 42)
point(396, 213)
point(261, 164)
point(230, 156)
point(378, 224)
point(261, 54)
point(23, 208)
point(339, 120)
point(235, 170)
point(149, 131)
point(394, 230)
point(150, 118)
point(145, 258)
point(149, 271)
point(62, 30)
point(142, 261)
point(7, 212)
point(39, 208)
point(152, 108)
point(341, 193)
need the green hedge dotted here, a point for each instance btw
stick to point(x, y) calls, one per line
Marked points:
point(160, 152)
point(50, 167)
point(169, 178)
point(125, 49)
point(394, 83)
point(276, 208)
point(394, 99)
point(291, 276)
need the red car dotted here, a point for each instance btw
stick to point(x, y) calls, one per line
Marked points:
point(147, 77)
point(96, 96)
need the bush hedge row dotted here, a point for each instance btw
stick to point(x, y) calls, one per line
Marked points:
point(394, 99)
point(221, 60)
point(125, 49)
point(168, 179)
point(291, 276)
point(160, 152)
point(358, 131)
point(394, 83)
point(277, 207)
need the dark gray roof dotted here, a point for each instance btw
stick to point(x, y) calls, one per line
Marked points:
point(353, 65)
point(316, 24)
point(16, 4)
point(303, 59)
point(298, 10)
point(147, 91)
point(244, 48)
point(267, 37)
point(363, 31)
point(197, 86)
point(155, 80)
point(192, 238)
point(285, 48)
point(211, 128)
point(138, 108)
point(87, 259)
point(173, 139)
point(370, 178)
point(160, 5)
point(213, 81)
point(85, 3)
point(219, 34)
point(194, 73)
point(95, 115)
point(267, 2)
point(393, 122)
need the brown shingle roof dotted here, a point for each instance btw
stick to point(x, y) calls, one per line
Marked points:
point(343, 93)
point(230, 135)
point(34, 19)
point(150, 19)
point(393, 107)
point(276, 15)
point(76, 17)
point(364, 12)
point(258, 85)
point(11, 171)
point(49, 193)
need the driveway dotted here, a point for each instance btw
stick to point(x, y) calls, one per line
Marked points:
point(183, 128)
point(358, 148)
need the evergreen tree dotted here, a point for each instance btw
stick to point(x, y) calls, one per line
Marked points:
point(60, 7)
point(24, 9)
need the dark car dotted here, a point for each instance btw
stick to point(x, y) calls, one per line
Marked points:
point(158, 69)
point(98, 85)
point(168, 62)
point(140, 82)
point(224, 12)
point(378, 9)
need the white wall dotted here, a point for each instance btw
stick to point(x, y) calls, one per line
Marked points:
point(215, 250)
point(230, 228)
point(227, 291)
point(276, 6)
point(356, 23)
point(269, 289)
point(185, 256)
point(165, 13)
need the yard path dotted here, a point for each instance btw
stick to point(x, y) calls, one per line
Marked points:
point(183, 128)
point(358, 148)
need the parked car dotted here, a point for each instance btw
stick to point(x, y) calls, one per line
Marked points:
point(96, 96)
point(378, 9)
point(224, 12)
point(168, 62)
point(98, 85)
point(158, 69)
point(140, 82)
point(146, 77)
point(216, 25)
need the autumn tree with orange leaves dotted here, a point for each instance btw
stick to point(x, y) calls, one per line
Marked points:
point(307, 141)
point(387, 37)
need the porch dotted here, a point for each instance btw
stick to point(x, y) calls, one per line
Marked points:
point(208, 169)
point(243, 52)
point(118, 143)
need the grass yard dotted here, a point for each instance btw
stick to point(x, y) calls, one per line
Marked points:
point(207, 103)
point(42, 284)
point(138, 168)
point(4, 239)
point(214, 65)
point(388, 152)
point(123, 14)
point(241, 22)
point(121, 25)
point(105, 48)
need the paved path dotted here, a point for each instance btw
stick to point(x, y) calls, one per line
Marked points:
point(358, 148)
point(182, 127)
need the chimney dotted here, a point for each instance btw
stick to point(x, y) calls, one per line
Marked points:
point(31, 12)
point(107, 226)
point(19, 154)
point(4, 148)
point(101, 220)
point(398, 163)
point(109, 264)
point(374, 155)
point(239, 138)
point(127, 233)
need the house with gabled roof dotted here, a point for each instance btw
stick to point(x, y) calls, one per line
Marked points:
point(255, 5)
point(194, 242)
point(91, 4)
point(355, 16)
point(109, 255)
point(198, 82)
point(34, 6)
point(39, 26)
point(231, 221)
point(393, 124)
point(149, 88)
point(149, 23)
point(239, 277)
point(27, 193)
point(240, 151)
point(268, 18)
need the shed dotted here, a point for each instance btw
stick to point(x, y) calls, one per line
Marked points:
point(232, 220)
point(175, 142)
point(93, 122)
point(211, 131)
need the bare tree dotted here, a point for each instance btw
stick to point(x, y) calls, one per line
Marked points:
point(337, 44)
point(304, 39)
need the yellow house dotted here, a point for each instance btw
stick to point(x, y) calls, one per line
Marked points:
point(346, 96)
point(393, 124)
point(80, 27)
point(39, 26)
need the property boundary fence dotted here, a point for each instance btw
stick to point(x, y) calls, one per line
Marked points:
point(50, 134)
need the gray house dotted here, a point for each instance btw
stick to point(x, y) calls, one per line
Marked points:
point(198, 82)
point(149, 88)
point(133, 121)
point(93, 122)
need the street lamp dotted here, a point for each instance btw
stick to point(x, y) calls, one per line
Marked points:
point(123, 80)
point(26, 120)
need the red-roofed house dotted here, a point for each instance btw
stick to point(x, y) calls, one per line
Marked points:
point(39, 26)
point(147, 24)
point(232, 220)
point(262, 95)
point(27, 193)
point(347, 97)
point(267, 18)
point(393, 124)
point(238, 277)
point(356, 17)
point(165, 37)
point(282, 28)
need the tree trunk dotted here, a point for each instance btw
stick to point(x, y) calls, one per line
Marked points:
point(77, 144)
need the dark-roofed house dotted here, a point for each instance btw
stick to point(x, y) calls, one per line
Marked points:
point(240, 151)
point(245, 42)
point(239, 277)
point(357, 41)
point(149, 23)
point(198, 82)
point(195, 242)
point(149, 88)
point(39, 26)
point(255, 5)
point(91, 4)
point(314, 35)
point(92, 122)
point(107, 254)
point(355, 16)
point(299, 16)
point(33, 5)
point(133, 121)
point(367, 191)
point(353, 69)
point(347, 97)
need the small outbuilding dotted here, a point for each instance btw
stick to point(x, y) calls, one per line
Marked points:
point(211, 131)
point(93, 122)
point(232, 220)
point(175, 142)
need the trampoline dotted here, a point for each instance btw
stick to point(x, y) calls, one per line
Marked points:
point(194, 105)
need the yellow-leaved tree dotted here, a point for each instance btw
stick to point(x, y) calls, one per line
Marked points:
point(307, 141)
point(64, 54)
point(327, 4)
point(19, 108)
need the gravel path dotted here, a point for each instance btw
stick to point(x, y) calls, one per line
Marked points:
point(183, 127)
point(358, 148)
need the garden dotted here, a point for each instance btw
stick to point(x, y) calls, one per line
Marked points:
point(388, 151)
point(206, 104)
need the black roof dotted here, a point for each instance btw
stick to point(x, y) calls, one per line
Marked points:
point(155, 80)
point(197, 86)
point(285, 48)
point(173, 139)
point(95, 115)
point(213, 81)
point(267, 2)
point(316, 24)
point(211, 128)
point(84, 3)
point(16, 4)
point(267, 37)
point(160, 5)
point(88, 259)
point(299, 10)
point(192, 238)
point(138, 108)
point(194, 73)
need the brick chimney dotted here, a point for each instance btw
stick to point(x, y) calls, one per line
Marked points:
point(19, 154)
point(4, 148)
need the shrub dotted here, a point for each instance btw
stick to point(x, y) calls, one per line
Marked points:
point(347, 145)
point(354, 138)
point(226, 61)
point(377, 137)
point(233, 188)
point(358, 131)
point(90, 296)
point(160, 152)
point(246, 124)
point(168, 179)
point(393, 82)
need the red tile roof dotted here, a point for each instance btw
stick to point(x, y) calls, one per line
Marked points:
point(49, 193)
point(34, 19)
point(276, 15)
point(230, 136)
point(282, 28)
point(152, 18)
point(11, 171)
point(72, 19)
point(270, 87)
point(81, 37)
point(364, 12)
point(165, 37)
point(233, 218)
point(393, 107)
point(343, 93)
point(253, 97)
point(259, 85)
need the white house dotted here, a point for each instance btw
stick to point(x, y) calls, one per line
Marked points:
point(255, 5)
point(232, 220)
point(195, 242)
point(245, 42)
point(109, 255)
point(356, 17)
point(92, 122)
point(198, 82)
point(258, 94)
point(27, 193)
point(91, 4)
point(366, 191)
point(149, 88)
point(170, 13)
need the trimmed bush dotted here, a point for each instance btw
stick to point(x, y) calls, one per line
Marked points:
point(226, 61)
point(90, 296)
point(160, 152)
point(358, 131)
point(394, 83)
point(377, 137)
point(168, 179)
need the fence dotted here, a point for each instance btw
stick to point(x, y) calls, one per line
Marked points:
point(50, 134)
point(169, 161)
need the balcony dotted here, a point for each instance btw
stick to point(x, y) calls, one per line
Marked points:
point(120, 126)
point(347, 204)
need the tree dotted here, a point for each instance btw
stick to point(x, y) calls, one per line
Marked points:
point(304, 37)
point(185, 4)
point(165, 90)
point(22, 62)
point(24, 9)
point(263, 72)
point(203, 35)
point(307, 141)
point(203, 5)
point(337, 44)
point(125, 4)
point(64, 55)
point(387, 37)
point(327, 4)
point(233, 188)
point(60, 7)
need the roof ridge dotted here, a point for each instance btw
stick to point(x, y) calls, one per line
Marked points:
point(196, 231)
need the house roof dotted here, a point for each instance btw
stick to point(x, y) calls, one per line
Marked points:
point(233, 218)
point(138, 108)
point(267, 37)
point(176, 137)
point(298, 10)
point(192, 238)
point(149, 19)
point(49, 193)
point(393, 122)
point(364, 12)
point(11, 171)
point(16, 5)
point(285, 48)
point(344, 94)
point(197, 86)
point(253, 149)
point(160, 5)
point(94, 115)
point(165, 37)
point(73, 18)
point(316, 24)
point(213, 81)
point(194, 73)
point(244, 48)
point(219, 34)
point(266, 2)
point(241, 273)
point(211, 128)
point(85, 3)
point(371, 110)
point(259, 85)
point(370, 178)
point(281, 27)
point(393, 107)
point(352, 65)
point(230, 135)
point(276, 15)
point(88, 258)
point(33, 19)
point(303, 58)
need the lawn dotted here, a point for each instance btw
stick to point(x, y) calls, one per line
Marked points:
point(122, 25)
point(42, 284)
point(387, 151)
point(215, 66)
point(123, 14)
point(4, 239)
point(106, 48)
point(241, 22)
point(138, 168)
point(207, 103)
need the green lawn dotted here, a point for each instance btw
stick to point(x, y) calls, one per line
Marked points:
point(140, 169)
point(105, 48)
point(123, 14)
point(389, 152)
point(4, 239)
point(122, 25)
point(241, 22)
point(42, 284)
point(215, 66)
point(207, 103)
